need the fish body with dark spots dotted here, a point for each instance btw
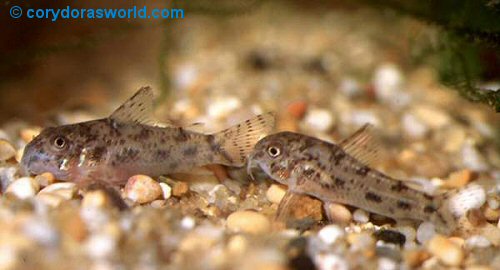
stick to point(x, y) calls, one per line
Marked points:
point(340, 173)
point(126, 143)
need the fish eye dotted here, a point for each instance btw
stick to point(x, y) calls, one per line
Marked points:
point(59, 142)
point(273, 151)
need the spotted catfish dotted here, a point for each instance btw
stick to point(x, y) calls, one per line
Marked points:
point(126, 143)
point(340, 174)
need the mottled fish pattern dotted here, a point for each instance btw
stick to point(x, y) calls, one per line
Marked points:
point(126, 143)
point(338, 173)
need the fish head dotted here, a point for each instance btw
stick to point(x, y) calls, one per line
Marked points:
point(57, 150)
point(273, 155)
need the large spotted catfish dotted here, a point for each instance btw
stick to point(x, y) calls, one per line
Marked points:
point(126, 143)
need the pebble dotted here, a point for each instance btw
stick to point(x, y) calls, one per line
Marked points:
point(319, 120)
point(100, 246)
point(275, 193)
point(471, 197)
point(142, 189)
point(433, 117)
point(297, 109)
point(221, 107)
point(425, 232)
point(29, 133)
point(66, 190)
point(330, 234)
point(413, 127)
point(361, 216)
point(23, 188)
point(458, 179)
point(166, 190)
point(179, 188)
point(248, 222)
point(493, 203)
point(390, 236)
point(330, 262)
point(237, 244)
point(477, 241)
point(472, 158)
point(50, 199)
point(445, 250)
point(45, 179)
point(387, 81)
point(95, 199)
point(7, 151)
point(338, 213)
point(188, 223)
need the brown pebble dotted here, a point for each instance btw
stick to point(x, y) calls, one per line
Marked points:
point(296, 207)
point(458, 179)
point(248, 221)
point(415, 258)
point(7, 151)
point(297, 109)
point(29, 133)
point(180, 188)
point(445, 250)
point(45, 179)
point(142, 189)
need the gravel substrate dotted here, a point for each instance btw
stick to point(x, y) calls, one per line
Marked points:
point(220, 218)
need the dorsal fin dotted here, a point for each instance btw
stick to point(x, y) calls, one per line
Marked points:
point(361, 145)
point(137, 109)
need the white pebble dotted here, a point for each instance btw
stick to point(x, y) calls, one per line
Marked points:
point(387, 82)
point(493, 203)
point(472, 196)
point(23, 188)
point(42, 232)
point(360, 216)
point(65, 189)
point(360, 117)
point(188, 223)
point(221, 107)
point(477, 241)
point(414, 127)
point(275, 193)
point(387, 264)
point(472, 158)
point(166, 190)
point(425, 232)
point(330, 262)
point(319, 120)
point(100, 246)
point(330, 233)
point(350, 87)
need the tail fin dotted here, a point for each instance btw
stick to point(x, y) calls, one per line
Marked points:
point(455, 204)
point(238, 141)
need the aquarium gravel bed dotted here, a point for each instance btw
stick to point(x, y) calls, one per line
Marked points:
point(217, 217)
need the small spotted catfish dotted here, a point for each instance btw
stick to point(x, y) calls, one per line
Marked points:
point(126, 143)
point(340, 174)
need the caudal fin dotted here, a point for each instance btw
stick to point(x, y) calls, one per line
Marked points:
point(238, 141)
point(455, 204)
